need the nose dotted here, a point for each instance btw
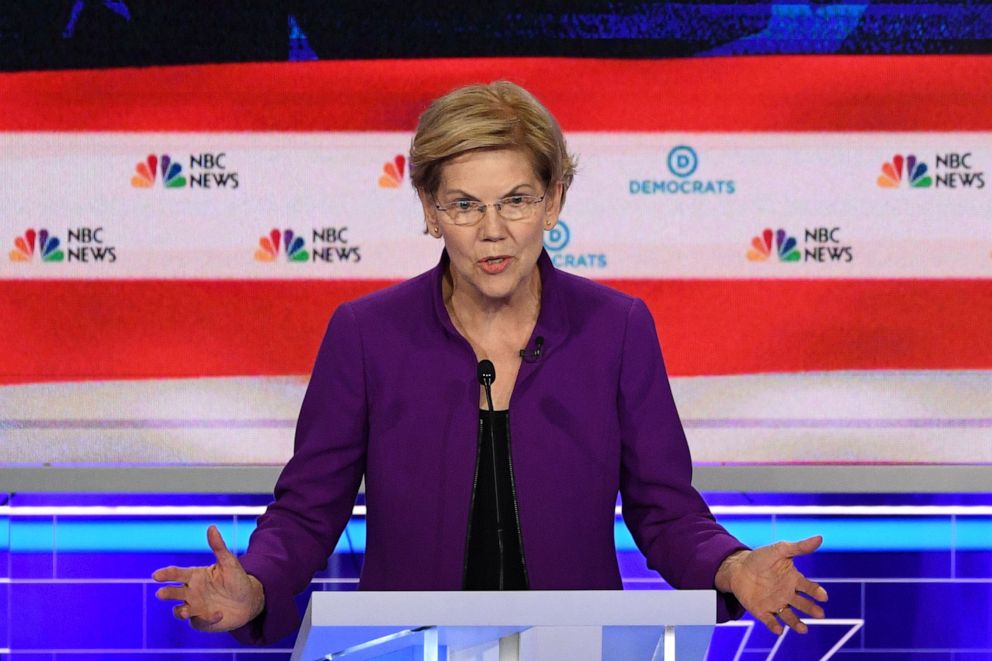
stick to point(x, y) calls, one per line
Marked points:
point(493, 225)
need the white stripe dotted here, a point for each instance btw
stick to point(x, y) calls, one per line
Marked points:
point(826, 581)
point(658, 235)
point(747, 635)
point(360, 510)
point(840, 643)
point(135, 581)
point(852, 510)
point(902, 580)
point(141, 510)
point(346, 581)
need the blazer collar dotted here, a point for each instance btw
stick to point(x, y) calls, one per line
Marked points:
point(552, 321)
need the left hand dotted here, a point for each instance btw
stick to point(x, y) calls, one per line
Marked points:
point(768, 585)
point(220, 597)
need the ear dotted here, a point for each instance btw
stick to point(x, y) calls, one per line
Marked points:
point(432, 223)
point(552, 205)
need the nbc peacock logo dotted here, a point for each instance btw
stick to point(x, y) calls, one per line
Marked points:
point(777, 243)
point(292, 246)
point(42, 242)
point(915, 173)
point(145, 172)
point(392, 172)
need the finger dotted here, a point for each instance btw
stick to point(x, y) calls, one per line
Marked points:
point(790, 618)
point(206, 623)
point(173, 574)
point(172, 593)
point(217, 545)
point(804, 546)
point(769, 621)
point(806, 606)
point(813, 589)
point(181, 611)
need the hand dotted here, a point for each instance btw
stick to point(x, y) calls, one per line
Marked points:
point(768, 585)
point(220, 597)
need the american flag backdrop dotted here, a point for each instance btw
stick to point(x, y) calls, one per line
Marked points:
point(808, 221)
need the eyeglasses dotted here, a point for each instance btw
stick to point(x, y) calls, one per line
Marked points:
point(470, 212)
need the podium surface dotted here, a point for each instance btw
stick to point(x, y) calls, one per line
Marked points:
point(578, 625)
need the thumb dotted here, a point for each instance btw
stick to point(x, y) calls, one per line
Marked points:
point(217, 545)
point(805, 546)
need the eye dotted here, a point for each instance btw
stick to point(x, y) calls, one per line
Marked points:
point(464, 205)
point(516, 200)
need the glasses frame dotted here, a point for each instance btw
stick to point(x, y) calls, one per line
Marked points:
point(483, 208)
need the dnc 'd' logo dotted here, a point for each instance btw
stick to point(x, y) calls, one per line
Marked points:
point(557, 239)
point(207, 170)
point(392, 172)
point(683, 164)
point(32, 243)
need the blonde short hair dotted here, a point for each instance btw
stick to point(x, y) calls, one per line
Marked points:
point(498, 115)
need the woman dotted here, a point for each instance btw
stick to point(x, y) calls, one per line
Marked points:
point(508, 485)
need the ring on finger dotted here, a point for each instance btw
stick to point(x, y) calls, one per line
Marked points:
point(781, 610)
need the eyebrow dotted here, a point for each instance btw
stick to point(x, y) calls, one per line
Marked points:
point(460, 193)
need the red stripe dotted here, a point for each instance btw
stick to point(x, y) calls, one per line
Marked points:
point(783, 93)
point(82, 330)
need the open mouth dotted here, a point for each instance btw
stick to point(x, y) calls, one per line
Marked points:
point(494, 265)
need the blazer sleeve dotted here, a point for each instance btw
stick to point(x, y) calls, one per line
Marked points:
point(668, 519)
point(316, 491)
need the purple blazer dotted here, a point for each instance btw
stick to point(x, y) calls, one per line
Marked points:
point(393, 397)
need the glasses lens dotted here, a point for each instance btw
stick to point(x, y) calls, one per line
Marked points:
point(461, 216)
point(463, 212)
point(518, 207)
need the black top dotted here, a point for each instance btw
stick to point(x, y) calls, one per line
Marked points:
point(494, 528)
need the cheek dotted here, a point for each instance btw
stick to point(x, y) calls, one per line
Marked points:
point(458, 248)
point(537, 238)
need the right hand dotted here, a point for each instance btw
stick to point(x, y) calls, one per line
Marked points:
point(220, 597)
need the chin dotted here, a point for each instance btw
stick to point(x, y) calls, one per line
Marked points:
point(499, 287)
point(497, 290)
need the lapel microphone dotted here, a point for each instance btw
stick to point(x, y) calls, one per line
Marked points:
point(486, 373)
point(533, 355)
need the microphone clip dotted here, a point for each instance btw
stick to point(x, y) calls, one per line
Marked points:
point(533, 355)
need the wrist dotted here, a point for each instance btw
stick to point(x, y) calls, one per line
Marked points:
point(724, 579)
point(257, 597)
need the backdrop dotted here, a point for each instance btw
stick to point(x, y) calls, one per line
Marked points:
point(810, 231)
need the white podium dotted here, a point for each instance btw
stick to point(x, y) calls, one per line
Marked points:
point(581, 625)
